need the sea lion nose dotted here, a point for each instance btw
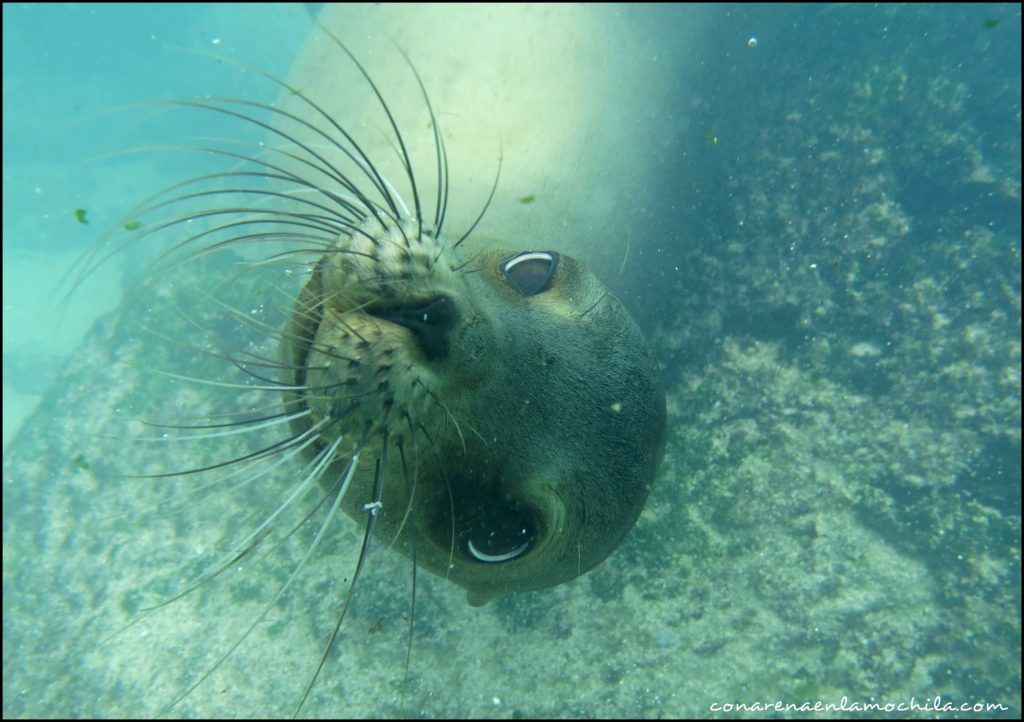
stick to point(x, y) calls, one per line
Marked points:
point(430, 323)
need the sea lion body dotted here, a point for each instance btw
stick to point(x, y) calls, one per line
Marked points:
point(584, 103)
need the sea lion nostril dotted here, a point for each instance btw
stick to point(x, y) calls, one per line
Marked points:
point(502, 533)
point(430, 322)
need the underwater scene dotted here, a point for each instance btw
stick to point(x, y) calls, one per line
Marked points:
point(512, 361)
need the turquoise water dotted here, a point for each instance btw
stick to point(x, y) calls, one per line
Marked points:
point(75, 78)
point(832, 285)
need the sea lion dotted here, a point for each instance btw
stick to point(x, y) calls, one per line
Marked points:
point(528, 414)
point(508, 398)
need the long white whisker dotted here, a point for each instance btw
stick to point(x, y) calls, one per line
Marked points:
point(264, 470)
point(229, 432)
point(349, 473)
point(224, 384)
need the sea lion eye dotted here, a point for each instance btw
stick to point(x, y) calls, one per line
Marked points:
point(531, 272)
point(502, 533)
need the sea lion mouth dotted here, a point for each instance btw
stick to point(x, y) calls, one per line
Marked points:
point(429, 322)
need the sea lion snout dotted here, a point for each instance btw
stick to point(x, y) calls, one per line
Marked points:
point(430, 322)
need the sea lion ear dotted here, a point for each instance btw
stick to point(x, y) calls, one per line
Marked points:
point(479, 598)
point(530, 272)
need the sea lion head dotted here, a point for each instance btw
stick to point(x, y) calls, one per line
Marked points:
point(524, 407)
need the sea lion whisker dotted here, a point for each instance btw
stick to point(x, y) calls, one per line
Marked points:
point(211, 574)
point(375, 283)
point(88, 262)
point(473, 258)
point(451, 498)
point(334, 222)
point(273, 421)
point(248, 320)
point(310, 309)
point(391, 119)
point(298, 525)
point(153, 203)
point(625, 254)
point(350, 472)
point(275, 215)
point(324, 246)
point(338, 176)
point(240, 423)
point(217, 415)
point(324, 243)
point(257, 360)
point(290, 266)
point(426, 433)
point(179, 501)
point(208, 575)
point(371, 519)
point(155, 271)
point(410, 488)
point(349, 202)
point(272, 449)
point(312, 475)
point(439, 152)
point(283, 174)
point(243, 367)
point(398, 198)
point(444, 201)
point(451, 515)
point(293, 260)
point(224, 384)
point(334, 396)
point(400, 215)
point(412, 617)
point(326, 351)
point(448, 413)
point(337, 222)
point(347, 326)
point(364, 164)
point(290, 298)
point(335, 211)
point(352, 305)
point(594, 305)
point(487, 204)
point(304, 184)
